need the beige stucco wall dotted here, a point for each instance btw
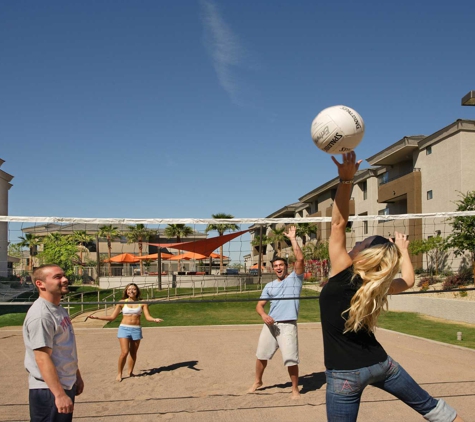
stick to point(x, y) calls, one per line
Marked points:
point(449, 309)
point(4, 187)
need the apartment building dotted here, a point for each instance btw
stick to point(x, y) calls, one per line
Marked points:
point(417, 174)
point(119, 245)
point(5, 185)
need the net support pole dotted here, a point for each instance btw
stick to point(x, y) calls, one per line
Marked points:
point(98, 260)
point(259, 258)
point(159, 268)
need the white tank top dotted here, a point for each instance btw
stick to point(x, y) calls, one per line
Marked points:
point(127, 310)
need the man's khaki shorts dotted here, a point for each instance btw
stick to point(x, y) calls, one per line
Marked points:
point(283, 336)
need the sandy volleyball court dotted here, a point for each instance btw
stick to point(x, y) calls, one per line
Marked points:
point(201, 374)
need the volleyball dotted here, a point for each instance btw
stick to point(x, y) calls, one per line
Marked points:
point(337, 129)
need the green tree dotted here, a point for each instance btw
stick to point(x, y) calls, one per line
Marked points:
point(31, 242)
point(82, 238)
point(14, 250)
point(109, 232)
point(260, 241)
point(221, 228)
point(139, 233)
point(60, 250)
point(277, 237)
point(178, 231)
point(316, 251)
point(304, 230)
point(434, 248)
point(462, 239)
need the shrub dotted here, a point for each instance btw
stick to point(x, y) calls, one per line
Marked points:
point(429, 281)
point(454, 281)
point(10, 278)
point(419, 271)
point(424, 286)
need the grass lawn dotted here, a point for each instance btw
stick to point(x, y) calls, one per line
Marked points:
point(207, 312)
point(421, 326)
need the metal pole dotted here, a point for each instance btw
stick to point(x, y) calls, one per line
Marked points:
point(259, 259)
point(159, 268)
point(98, 260)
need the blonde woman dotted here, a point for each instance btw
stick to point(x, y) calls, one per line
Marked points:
point(130, 330)
point(350, 304)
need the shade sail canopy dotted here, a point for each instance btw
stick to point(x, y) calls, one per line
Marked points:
point(164, 256)
point(125, 258)
point(204, 247)
point(217, 256)
point(256, 266)
point(188, 255)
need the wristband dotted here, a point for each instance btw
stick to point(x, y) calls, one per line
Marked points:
point(347, 182)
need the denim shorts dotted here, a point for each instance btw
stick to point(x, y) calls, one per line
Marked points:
point(132, 332)
point(344, 389)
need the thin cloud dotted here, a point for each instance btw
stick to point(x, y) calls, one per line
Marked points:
point(224, 48)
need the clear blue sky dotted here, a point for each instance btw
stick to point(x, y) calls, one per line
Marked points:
point(182, 109)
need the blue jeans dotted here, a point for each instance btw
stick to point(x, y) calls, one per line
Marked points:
point(344, 390)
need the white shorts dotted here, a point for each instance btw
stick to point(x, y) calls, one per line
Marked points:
point(283, 335)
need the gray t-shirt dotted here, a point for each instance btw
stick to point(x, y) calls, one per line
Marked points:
point(48, 325)
point(284, 310)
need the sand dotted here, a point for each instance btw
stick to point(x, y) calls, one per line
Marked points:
point(202, 374)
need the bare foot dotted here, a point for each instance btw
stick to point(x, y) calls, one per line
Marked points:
point(295, 395)
point(119, 378)
point(131, 375)
point(255, 386)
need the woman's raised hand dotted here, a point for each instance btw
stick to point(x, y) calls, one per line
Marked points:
point(349, 167)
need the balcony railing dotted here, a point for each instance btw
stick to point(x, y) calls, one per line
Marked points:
point(383, 181)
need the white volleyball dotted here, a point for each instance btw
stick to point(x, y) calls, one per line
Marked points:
point(337, 129)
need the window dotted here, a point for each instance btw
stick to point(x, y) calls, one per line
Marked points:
point(428, 150)
point(365, 227)
point(429, 195)
point(383, 178)
point(364, 189)
point(384, 211)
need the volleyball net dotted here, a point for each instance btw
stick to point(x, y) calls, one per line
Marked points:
point(191, 260)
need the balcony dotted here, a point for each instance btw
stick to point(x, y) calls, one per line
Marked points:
point(403, 187)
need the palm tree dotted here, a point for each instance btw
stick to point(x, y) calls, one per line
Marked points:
point(30, 241)
point(110, 233)
point(82, 238)
point(179, 231)
point(277, 237)
point(304, 230)
point(260, 241)
point(139, 233)
point(221, 228)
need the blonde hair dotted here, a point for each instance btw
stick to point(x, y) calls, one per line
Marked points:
point(377, 267)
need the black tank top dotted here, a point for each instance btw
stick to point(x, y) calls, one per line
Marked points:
point(351, 350)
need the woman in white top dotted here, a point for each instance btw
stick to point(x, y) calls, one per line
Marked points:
point(130, 331)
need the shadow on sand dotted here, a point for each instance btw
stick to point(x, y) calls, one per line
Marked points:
point(309, 382)
point(188, 364)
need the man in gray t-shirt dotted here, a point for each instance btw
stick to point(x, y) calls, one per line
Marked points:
point(51, 356)
point(280, 325)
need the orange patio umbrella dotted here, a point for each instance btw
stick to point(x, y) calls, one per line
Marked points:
point(188, 256)
point(125, 258)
